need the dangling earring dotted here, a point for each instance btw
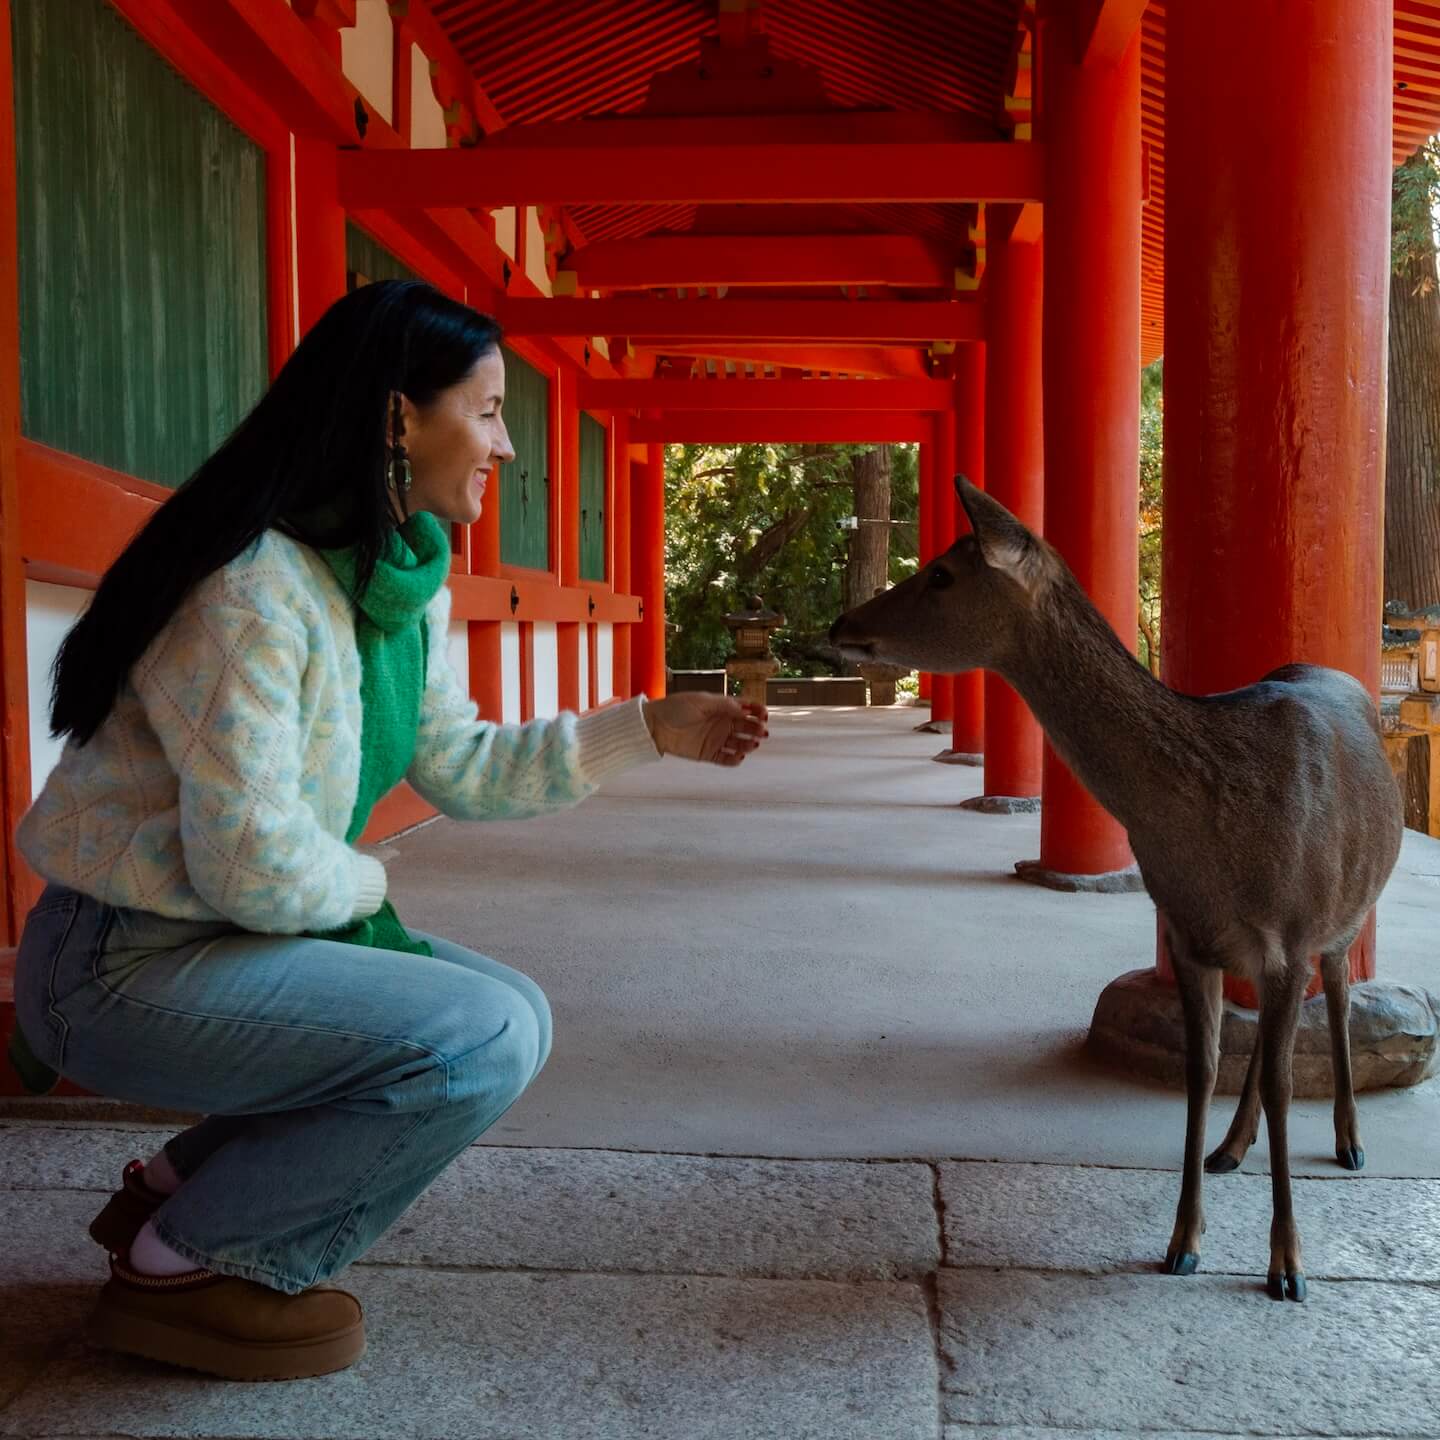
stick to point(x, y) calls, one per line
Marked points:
point(400, 476)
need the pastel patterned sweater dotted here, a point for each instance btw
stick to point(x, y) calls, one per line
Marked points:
point(222, 782)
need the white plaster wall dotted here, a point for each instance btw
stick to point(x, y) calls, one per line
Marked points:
point(50, 611)
point(367, 56)
point(600, 345)
point(535, 251)
point(457, 650)
point(427, 119)
point(547, 668)
point(510, 673)
point(505, 230)
point(605, 662)
point(584, 667)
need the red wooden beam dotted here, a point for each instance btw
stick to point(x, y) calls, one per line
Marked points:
point(776, 427)
point(685, 260)
point(281, 58)
point(894, 321)
point(837, 127)
point(671, 173)
point(754, 396)
point(893, 363)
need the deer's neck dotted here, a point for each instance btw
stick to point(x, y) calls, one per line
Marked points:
point(1118, 728)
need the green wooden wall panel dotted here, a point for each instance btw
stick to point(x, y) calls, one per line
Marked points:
point(525, 482)
point(366, 256)
point(143, 330)
point(592, 499)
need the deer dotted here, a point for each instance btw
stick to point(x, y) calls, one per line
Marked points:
point(1264, 821)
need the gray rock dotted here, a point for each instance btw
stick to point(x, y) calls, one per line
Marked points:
point(1394, 1035)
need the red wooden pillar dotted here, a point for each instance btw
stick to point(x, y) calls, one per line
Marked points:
point(567, 496)
point(967, 740)
point(925, 549)
point(942, 521)
point(1091, 327)
point(486, 673)
point(18, 884)
point(1275, 363)
point(1014, 475)
point(319, 230)
point(620, 538)
point(647, 560)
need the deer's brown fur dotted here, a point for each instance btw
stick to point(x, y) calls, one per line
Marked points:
point(1265, 821)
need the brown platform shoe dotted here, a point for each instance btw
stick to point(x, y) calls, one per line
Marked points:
point(126, 1211)
point(225, 1326)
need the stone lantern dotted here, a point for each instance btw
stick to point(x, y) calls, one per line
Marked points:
point(752, 663)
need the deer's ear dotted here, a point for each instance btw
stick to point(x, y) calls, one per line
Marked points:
point(1005, 544)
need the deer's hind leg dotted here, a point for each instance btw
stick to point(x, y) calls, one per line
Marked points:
point(1246, 1125)
point(1335, 970)
point(1200, 1000)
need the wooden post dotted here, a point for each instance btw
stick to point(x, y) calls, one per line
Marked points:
point(968, 690)
point(16, 882)
point(942, 520)
point(620, 541)
point(647, 520)
point(1275, 362)
point(1015, 476)
point(319, 231)
point(565, 493)
point(1091, 323)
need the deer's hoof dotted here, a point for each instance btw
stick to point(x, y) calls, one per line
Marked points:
point(1352, 1157)
point(1180, 1262)
point(1286, 1285)
point(1221, 1162)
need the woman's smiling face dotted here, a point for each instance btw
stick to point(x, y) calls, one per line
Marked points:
point(456, 442)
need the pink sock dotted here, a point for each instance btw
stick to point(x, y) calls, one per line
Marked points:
point(160, 1174)
point(150, 1255)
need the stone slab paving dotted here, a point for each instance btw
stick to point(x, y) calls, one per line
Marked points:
point(592, 1210)
point(498, 1356)
point(1052, 1217)
point(48, 1279)
point(1207, 1353)
point(1015, 1432)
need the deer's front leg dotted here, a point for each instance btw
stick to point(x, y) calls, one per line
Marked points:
point(1200, 999)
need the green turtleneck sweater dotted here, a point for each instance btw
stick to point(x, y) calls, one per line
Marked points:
point(391, 635)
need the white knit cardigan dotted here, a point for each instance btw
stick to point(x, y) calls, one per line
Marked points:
point(222, 783)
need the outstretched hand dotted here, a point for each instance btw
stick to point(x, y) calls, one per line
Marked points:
point(711, 728)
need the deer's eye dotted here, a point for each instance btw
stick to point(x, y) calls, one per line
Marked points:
point(940, 578)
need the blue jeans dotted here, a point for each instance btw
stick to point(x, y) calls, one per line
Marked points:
point(337, 1081)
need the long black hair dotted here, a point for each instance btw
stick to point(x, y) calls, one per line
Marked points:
point(311, 460)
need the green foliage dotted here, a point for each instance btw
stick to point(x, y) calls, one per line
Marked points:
point(1152, 468)
point(1415, 191)
point(764, 519)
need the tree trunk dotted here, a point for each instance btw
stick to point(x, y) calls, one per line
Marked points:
point(1412, 439)
point(868, 566)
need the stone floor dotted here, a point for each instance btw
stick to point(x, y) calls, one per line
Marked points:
point(580, 1293)
point(673, 1238)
